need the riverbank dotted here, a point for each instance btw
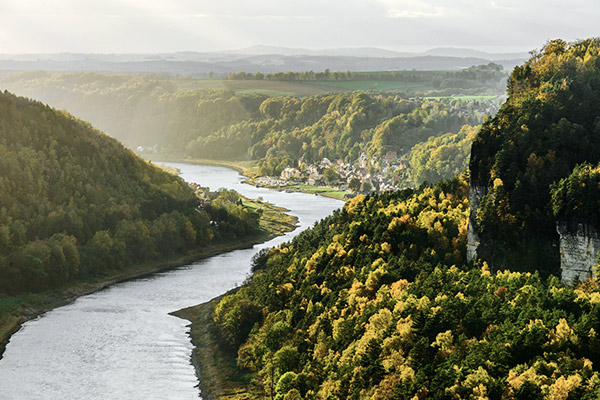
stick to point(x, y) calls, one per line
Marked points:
point(249, 169)
point(338, 194)
point(15, 310)
point(217, 371)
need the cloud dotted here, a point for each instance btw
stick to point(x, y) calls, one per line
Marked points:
point(413, 8)
point(171, 25)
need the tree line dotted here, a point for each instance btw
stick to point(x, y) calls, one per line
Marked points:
point(475, 76)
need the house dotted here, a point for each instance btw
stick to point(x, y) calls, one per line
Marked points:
point(325, 163)
point(290, 173)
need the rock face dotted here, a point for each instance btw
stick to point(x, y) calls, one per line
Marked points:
point(579, 246)
point(476, 194)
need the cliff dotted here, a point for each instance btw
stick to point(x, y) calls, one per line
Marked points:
point(546, 127)
point(476, 194)
point(578, 251)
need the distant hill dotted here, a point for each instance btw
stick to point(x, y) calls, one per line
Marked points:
point(374, 52)
point(218, 124)
point(263, 59)
point(459, 52)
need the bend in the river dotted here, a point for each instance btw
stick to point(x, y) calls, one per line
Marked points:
point(121, 342)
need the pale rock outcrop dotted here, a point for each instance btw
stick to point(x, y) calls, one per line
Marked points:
point(579, 246)
point(476, 194)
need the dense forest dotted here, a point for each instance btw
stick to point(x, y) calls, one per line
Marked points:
point(441, 157)
point(377, 301)
point(343, 126)
point(75, 203)
point(548, 125)
point(153, 113)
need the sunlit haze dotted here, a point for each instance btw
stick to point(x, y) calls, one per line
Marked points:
point(150, 26)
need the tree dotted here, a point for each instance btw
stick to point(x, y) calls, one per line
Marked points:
point(366, 187)
point(354, 184)
point(330, 175)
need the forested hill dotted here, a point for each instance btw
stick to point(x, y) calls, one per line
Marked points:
point(75, 203)
point(549, 124)
point(378, 302)
point(149, 112)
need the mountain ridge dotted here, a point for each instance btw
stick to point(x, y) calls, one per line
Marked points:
point(264, 59)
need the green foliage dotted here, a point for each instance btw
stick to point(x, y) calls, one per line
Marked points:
point(75, 203)
point(377, 302)
point(277, 131)
point(330, 175)
point(354, 184)
point(366, 187)
point(442, 157)
point(548, 125)
point(334, 126)
point(576, 198)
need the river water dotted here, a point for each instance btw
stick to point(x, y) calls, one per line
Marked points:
point(121, 342)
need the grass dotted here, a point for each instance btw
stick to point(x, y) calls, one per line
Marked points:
point(273, 219)
point(271, 93)
point(322, 190)
point(476, 98)
point(376, 85)
point(271, 88)
point(303, 88)
point(14, 310)
point(416, 83)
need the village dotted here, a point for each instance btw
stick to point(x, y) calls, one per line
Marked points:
point(366, 175)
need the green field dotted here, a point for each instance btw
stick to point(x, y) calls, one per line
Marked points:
point(466, 97)
point(299, 88)
point(311, 88)
point(374, 85)
point(322, 190)
point(271, 88)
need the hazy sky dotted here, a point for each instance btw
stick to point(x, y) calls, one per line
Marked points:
point(118, 26)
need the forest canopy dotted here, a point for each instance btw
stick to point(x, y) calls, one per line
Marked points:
point(75, 203)
point(153, 113)
point(378, 301)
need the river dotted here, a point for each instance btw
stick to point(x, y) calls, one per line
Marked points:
point(121, 342)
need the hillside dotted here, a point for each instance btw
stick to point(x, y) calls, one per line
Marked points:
point(378, 302)
point(174, 113)
point(74, 203)
point(185, 118)
point(548, 125)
